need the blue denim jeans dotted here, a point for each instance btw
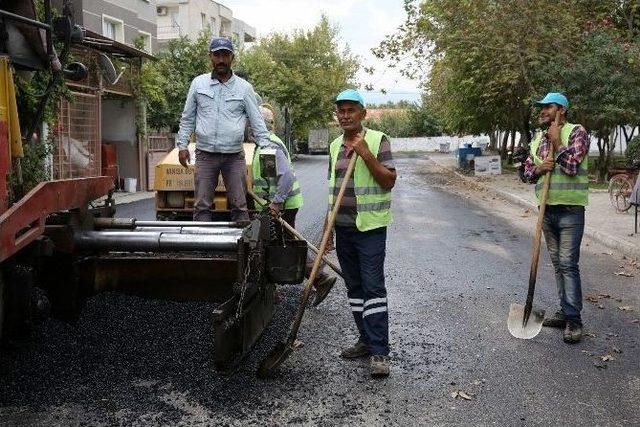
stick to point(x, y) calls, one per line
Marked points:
point(361, 255)
point(563, 227)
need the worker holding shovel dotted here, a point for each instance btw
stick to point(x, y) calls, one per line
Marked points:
point(563, 222)
point(361, 222)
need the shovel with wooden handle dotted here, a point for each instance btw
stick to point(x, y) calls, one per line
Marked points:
point(297, 235)
point(525, 322)
point(281, 352)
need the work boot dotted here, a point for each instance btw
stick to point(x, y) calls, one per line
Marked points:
point(379, 366)
point(556, 321)
point(323, 285)
point(357, 350)
point(572, 332)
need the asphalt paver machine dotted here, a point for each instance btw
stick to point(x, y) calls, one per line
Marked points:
point(58, 248)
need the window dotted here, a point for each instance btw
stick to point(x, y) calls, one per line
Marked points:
point(213, 23)
point(113, 28)
point(146, 40)
point(203, 21)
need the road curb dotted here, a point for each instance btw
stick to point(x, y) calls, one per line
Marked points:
point(603, 238)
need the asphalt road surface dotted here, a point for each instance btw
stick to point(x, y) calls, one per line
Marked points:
point(456, 259)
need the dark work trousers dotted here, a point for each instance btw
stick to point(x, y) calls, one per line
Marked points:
point(563, 228)
point(361, 255)
point(234, 173)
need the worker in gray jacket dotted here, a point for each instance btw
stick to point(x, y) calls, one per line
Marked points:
point(217, 108)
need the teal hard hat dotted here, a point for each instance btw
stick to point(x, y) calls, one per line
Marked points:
point(554, 98)
point(350, 95)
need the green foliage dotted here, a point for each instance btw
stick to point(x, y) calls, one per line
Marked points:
point(412, 122)
point(633, 150)
point(163, 84)
point(33, 164)
point(303, 70)
point(487, 61)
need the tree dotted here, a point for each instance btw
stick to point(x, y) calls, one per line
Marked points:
point(479, 61)
point(304, 70)
point(482, 62)
point(164, 83)
point(598, 81)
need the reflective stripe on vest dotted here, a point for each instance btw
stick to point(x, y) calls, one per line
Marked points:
point(267, 187)
point(373, 202)
point(564, 189)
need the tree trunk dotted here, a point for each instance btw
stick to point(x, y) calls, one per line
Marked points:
point(512, 146)
point(525, 131)
point(493, 140)
point(603, 158)
point(503, 145)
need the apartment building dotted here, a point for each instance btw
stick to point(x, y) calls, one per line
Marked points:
point(178, 18)
point(121, 20)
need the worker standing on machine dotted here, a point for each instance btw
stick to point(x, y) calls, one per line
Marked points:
point(217, 108)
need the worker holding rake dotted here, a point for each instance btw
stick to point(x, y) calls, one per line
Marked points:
point(361, 225)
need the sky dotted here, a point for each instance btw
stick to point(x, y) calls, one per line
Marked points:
point(362, 24)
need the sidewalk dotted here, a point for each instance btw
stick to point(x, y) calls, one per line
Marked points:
point(603, 224)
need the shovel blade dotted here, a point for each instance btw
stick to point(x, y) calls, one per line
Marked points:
point(516, 326)
point(274, 359)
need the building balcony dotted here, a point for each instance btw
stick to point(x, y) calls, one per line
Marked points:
point(169, 32)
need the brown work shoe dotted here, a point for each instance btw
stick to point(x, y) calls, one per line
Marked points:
point(572, 332)
point(556, 321)
point(379, 366)
point(323, 285)
point(357, 350)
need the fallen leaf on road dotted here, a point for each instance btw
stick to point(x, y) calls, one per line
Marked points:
point(635, 321)
point(607, 358)
point(591, 335)
point(623, 274)
point(526, 213)
point(587, 352)
point(298, 344)
point(477, 382)
point(604, 296)
point(459, 394)
point(625, 308)
point(616, 350)
point(600, 306)
point(591, 298)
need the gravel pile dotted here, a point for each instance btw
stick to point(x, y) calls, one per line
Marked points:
point(135, 360)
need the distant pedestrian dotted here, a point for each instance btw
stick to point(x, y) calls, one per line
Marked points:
point(217, 108)
point(563, 224)
point(361, 226)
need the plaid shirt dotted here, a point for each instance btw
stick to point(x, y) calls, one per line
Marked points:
point(568, 157)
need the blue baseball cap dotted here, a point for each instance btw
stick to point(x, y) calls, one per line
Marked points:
point(220, 43)
point(554, 98)
point(350, 95)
